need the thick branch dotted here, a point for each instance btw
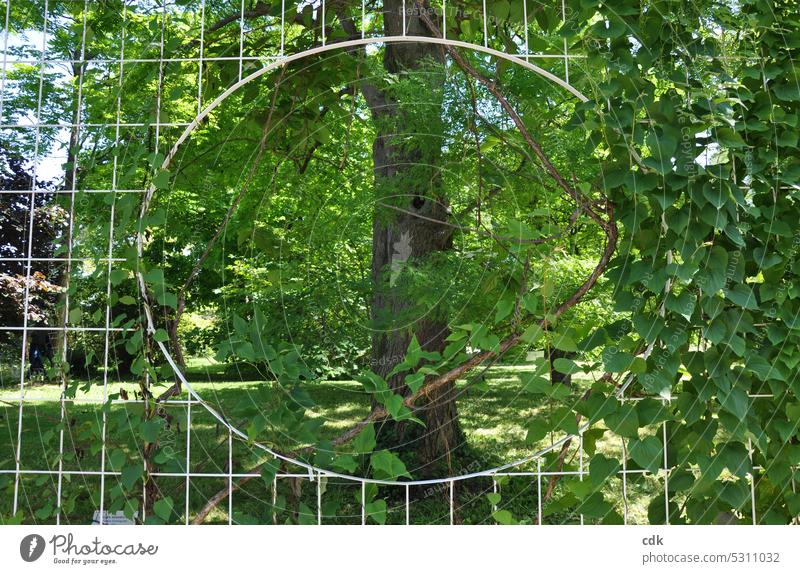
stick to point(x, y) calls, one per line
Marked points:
point(484, 232)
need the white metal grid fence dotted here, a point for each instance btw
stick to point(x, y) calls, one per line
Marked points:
point(529, 468)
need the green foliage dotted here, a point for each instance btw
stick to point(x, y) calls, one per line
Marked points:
point(690, 132)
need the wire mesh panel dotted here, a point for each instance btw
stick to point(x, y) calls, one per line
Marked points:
point(120, 121)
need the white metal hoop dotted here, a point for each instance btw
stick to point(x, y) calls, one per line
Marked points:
point(311, 469)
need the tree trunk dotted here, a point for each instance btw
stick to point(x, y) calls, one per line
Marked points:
point(409, 203)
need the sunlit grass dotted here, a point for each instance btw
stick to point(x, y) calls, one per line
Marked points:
point(493, 417)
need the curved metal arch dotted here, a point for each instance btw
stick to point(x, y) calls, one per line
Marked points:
point(311, 469)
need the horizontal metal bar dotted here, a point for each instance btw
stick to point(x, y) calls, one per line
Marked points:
point(67, 191)
point(147, 60)
point(64, 259)
point(96, 401)
point(93, 329)
point(33, 125)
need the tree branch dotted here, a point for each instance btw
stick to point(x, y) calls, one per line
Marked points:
point(532, 143)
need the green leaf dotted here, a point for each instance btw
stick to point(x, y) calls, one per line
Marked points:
point(388, 466)
point(160, 336)
point(616, 361)
point(503, 517)
point(365, 441)
point(130, 475)
point(345, 462)
point(268, 471)
point(565, 343)
point(682, 304)
point(535, 384)
point(651, 411)
point(743, 296)
point(646, 452)
point(736, 402)
point(116, 277)
point(624, 421)
point(155, 276)
point(565, 419)
point(306, 516)
point(531, 334)
point(116, 459)
point(161, 179)
point(376, 510)
point(501, 9)
point(149, 430)
point(716, 193)
point(503, 309)
point(601, 468)
point(566, 366)
point(726, 137)
point(414, 381)
point(537, 430)
point(595, 506)
point(163, 508)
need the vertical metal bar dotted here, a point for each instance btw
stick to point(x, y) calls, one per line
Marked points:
point(5, 58)
point(580, 463)
point(566, 54)
point(283, 26)
point(274, 499)
point(322, 22)
point(525, 18)
point(319, 498)
point(485, 25)
point(624, 483)
point(408, 506)
point(666, 471)
point(539, 489)
point(363, 503)
point(18, 451)
point(444, 19)
point(200, 61)
point(404, 17)
point(230, 476)
point(188, 454)
point(794, 490)
point(241, 41)
point(752, 482)
point(494, 490)
point(160, 90)
point(144, 491)
point(106, 353)
point(452, 487)
point(114, 171)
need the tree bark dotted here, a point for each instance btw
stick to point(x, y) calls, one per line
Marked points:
point(406, 170)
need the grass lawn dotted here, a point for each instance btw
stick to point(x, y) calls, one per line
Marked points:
point(493, 417)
